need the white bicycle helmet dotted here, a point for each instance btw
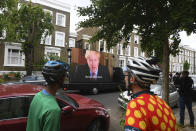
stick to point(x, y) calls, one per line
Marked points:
point(145, 71)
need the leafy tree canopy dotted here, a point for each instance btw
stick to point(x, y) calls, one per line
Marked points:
point(7, 4)
point(6, 8)
point(155, 21)
point(28, 25)
point(32, 22)
point(158, 22)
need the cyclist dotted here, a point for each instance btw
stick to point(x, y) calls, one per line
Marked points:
point(146, 111)
point(44, 112)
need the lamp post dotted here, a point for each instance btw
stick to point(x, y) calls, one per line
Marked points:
point(69, 55)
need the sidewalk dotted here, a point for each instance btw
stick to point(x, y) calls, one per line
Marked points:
point(176, 112)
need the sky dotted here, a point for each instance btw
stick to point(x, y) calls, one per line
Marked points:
point(186, 41)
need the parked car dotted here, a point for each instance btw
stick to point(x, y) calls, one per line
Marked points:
point(79, 113)
point(125, 97)
point(34, 79)
point(194, 86)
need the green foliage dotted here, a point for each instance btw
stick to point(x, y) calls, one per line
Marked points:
point(7, 4)
point(26, 25)
point(186, 66)
point(34, 22)
point(31, 24)
point(5, 76)
point(155, 21)
point(1, 80)
point(122, 120)
point(7, 7)
point(17, 75)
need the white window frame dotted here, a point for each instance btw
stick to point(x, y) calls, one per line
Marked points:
point(119, 48)
point(63, 39)
point(136, 39)
point(52, 50)
point(63, 24)
point(104, 45)
point(128, 51)
point(143, 54)
point(136, 52)
point(121, 59)
point(180, 59)
point(85, 46)
point(173, 59)
point(153, 53)
point(15, 46)
point(72, 44)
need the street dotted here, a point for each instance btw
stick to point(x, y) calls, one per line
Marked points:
point(109, 100)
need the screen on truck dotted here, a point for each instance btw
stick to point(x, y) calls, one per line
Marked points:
point(90, 66)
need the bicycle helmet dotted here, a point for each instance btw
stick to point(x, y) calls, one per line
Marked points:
point(145, 71)
point(53, 71)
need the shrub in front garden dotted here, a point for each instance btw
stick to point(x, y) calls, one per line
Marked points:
point(5, 76)
point(17, 75)
point(1, 80)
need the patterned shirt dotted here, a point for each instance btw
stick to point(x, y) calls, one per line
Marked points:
point(148, 112)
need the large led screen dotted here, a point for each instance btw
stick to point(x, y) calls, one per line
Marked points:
point(90, 66)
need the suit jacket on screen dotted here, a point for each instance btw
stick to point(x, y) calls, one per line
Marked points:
point(82, 74)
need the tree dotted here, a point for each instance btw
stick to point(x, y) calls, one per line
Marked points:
point(7, 7)
point(31, 25)
point(186, 66)
point(157, 22)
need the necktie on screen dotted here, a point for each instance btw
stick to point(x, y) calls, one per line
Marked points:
point(93, 76)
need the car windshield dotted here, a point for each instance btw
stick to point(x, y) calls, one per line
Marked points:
point(67, 99)
point(156, 89)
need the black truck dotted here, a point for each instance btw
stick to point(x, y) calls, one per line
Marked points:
point(93, 71)
point(116, 83)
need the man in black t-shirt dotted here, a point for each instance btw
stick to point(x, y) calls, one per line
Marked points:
point(185, 91)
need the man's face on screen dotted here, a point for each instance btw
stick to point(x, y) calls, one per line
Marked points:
point(93, 62)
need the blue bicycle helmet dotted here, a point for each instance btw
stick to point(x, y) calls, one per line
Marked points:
point(53, 71)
